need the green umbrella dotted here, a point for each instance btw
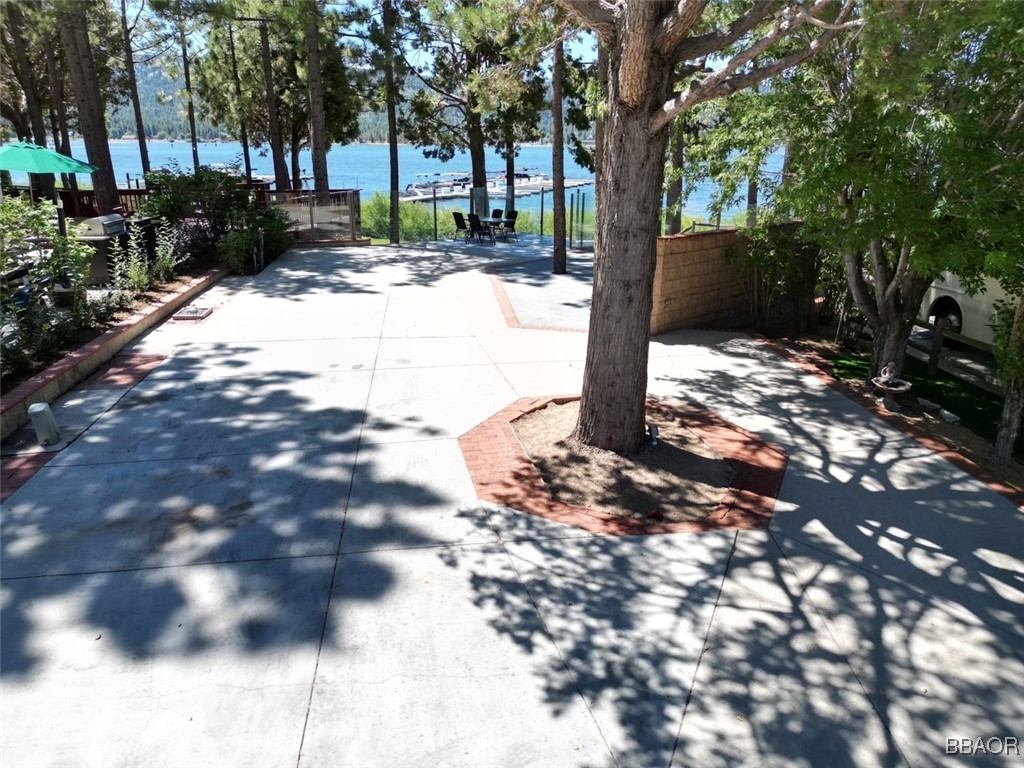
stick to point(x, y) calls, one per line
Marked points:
point(31, 158)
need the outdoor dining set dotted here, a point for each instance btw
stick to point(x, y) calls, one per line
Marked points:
point(499, 225)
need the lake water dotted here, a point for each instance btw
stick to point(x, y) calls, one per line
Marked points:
point(355, 166)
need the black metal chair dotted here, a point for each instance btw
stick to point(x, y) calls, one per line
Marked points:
point(497, 223)
point(460, 226)
point(509, 224)
point(479, 230)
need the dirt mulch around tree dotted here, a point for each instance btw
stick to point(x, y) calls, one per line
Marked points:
point(680, 479)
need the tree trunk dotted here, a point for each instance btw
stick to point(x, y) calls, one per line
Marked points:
point(1013, 386)
point(558, 158)
point(61, 135)
point(677, 149)
point(510, 173)
point(478, 158)
point(74, 34)
point(273, 121)
point(297, 171)
point(888, 346)
point(133, 88)
point(390, 21)
point(317, 118)
point(890, 304)
point(42, 183)
point(243, 132)
point(752, 202)
point(632, 169)
point(190, 104)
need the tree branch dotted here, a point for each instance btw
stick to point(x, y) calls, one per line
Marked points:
point(703, 45)
point(597, 15)
point(676, 26)
point(636, 40)
point(724, 81)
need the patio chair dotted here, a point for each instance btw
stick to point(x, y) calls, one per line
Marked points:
point(497, 223)
point(479, 230)
point(509, 224)
point(460, 226)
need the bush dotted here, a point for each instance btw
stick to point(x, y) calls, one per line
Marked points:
point(213, 217)
point(415, 220)
point(39, 318)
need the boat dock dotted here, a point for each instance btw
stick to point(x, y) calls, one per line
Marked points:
point(456, 192)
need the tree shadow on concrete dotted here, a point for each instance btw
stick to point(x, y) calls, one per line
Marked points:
point(880, 615)
point(193, 515)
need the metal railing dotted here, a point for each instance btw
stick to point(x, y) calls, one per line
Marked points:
point(339, 219)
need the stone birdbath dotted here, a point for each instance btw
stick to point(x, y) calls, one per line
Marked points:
point(890, 387)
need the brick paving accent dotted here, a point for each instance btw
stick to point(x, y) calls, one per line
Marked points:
point(812, 363)
point(503, 473)
point(65, 374)
point(123, 372)
point(509, 312)
point(17, 470)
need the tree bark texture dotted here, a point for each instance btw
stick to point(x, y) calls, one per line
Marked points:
point(317, 117)
point(1013, 387)
point(560, 266)
point(42, 183)
point(133, 88)
point(273, 120)
point(477, 158)
point(190, 102)
point(61, 134)
point(390, 21)
point(677, 151)
point(243, 131)
point(74, 33)
point(890, 303)
point(612, 407)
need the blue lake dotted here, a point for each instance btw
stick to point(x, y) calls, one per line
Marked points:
point(355, 166)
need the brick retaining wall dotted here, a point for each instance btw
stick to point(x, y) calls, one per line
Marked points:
point(696, 285)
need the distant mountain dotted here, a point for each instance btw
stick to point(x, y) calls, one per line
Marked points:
point(163, 112)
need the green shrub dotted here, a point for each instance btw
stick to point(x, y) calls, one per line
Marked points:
point(415, 220)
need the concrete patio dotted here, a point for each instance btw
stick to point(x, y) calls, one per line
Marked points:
point(266, 550)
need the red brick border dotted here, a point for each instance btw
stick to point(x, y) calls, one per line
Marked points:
point(509, 312)
point(65, 374)
point(814, 364)
point(503, 473)
point(18, 470)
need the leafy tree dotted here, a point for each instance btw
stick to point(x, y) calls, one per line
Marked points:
point(906, 155)
point(456, 40)
point(386, 27)
point(658, 61)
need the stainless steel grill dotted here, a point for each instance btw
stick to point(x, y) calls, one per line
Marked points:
point(104, 226)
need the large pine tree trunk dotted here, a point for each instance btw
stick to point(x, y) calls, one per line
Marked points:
point(74, 33)
point(190, 103)
point(243, 131)
point(317, 118)
point(390, 21)
point(42, 183)
point(61, 134)
point(275, 138)
point(628, 198)
point(478, 159)
point(558, 158)
point(133, 87)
